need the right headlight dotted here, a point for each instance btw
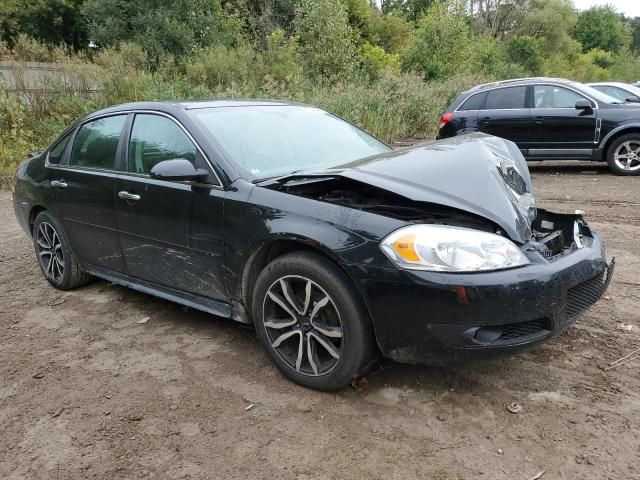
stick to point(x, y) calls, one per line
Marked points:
point(442, 248)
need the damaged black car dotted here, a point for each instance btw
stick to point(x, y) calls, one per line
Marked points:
point(336, 248)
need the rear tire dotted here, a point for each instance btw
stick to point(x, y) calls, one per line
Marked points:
point(623, 156)
point(313, 322)
point(53, 252)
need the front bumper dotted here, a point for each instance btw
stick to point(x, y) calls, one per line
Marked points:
point(439, 318)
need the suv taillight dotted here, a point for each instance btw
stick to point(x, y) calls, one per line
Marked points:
point(445, 118)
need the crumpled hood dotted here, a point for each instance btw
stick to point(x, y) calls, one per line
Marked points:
point(478, 173)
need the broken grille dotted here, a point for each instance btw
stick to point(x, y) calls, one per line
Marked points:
point(585, 294)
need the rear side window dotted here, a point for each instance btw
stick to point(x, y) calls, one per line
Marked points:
point(56, 153)
point(96, 143)
point(506, 98)
point(474, 102)
point(154, 139)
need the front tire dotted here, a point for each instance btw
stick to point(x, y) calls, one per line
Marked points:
point(53, 251)
point(623, 156)
point(312, 322)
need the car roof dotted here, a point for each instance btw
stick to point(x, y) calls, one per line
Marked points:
point(614, 84)
point(518, 81)
point(168, 105)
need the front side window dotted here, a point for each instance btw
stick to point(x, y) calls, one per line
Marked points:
point(55, 154)
point(550, 96)
point(506, 98)
point(96, 143)
point(155, 138)
point(274, 140)
point(617, 93)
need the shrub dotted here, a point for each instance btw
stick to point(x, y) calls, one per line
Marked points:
point(218, 67)
point(377, 62)
point(281, 57)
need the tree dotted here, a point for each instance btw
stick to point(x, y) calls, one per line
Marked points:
point(602, 28)
point(526, 51)
point(326, 40)
point(634, 26)
point(49, 21)
point(412, 9)
point(551, 23)
point(391, 32)
point(440, 45)
point(162, 27)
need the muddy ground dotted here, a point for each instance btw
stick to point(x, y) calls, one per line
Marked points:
point(88, 392)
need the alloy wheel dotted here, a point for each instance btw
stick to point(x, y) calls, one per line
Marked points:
point(303, 325)
point(50, 251)
point(627, 156)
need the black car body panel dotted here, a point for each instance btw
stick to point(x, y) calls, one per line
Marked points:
point(203, 243)
point(541, 130)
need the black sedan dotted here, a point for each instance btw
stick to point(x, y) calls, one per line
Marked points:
point(551, 119)
point(336, 248)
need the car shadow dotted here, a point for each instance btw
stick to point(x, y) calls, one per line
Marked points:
point(569, 167)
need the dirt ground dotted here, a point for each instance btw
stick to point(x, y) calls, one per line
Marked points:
point(87, 391)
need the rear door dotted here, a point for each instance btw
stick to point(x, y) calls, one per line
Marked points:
point(154, 216)
point(560, 130)
point(505, 115)
point(83, 189)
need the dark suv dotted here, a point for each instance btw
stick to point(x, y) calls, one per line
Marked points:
point(551, 119)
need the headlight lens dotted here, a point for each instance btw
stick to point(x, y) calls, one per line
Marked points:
point(442, 248)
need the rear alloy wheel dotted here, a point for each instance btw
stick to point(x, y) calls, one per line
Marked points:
point(312, 321)
point(623, 156)
point(57, 261)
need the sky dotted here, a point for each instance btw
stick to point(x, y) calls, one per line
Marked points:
point(631, 8)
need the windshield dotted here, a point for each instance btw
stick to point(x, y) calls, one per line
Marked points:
point(274, 140)
point(595, 94)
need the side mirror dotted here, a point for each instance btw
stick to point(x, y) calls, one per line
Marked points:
point(632, 99)
point(177, 169)
point(584, 105)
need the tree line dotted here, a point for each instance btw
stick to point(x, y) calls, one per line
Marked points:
point(336, 39)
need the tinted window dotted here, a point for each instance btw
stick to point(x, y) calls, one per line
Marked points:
point(96, 143)
point(550, 96)
point(268, 141)
point(155, 139)
point(503, 98)
point(55, 154)
point(475, 102)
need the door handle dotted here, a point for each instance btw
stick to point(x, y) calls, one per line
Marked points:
point(128, 196)
point(59, 183)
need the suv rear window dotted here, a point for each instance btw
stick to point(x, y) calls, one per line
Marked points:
point(506, 98)
point(474, 102)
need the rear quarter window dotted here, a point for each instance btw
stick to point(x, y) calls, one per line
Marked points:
point(474, 102)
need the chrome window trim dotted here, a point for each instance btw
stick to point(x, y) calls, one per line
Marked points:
point(220, 185)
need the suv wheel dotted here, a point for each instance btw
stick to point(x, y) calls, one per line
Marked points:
point(623, 155)
point(57, 261)
point(312, 322)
